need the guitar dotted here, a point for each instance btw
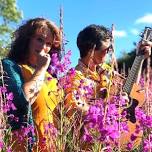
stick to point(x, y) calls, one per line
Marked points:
point(135, 92)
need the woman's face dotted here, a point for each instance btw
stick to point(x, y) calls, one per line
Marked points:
point(39, 44)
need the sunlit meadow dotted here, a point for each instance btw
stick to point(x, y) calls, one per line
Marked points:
point(97, 130)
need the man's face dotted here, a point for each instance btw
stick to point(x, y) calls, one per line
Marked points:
point(100, 55)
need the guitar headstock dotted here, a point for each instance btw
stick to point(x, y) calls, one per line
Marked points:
point(147, 34)
point(146, 40)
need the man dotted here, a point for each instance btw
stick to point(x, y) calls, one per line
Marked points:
point(93, 77)
point(94, 43)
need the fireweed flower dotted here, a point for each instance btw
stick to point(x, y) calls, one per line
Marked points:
point(107, 149)
point(133, 137)
point(8, 105)
point(94, 115)
point(144, 119)
point(124, 127)
point(142, 82)
point(65, 81)
point(1, 145)
point(112, 132)
point(84, 91)
point(98, 126)
point(9, 96)
point(3, 89)
point(49, 128)
point(129, 146)
point(87, 137)
point(25, 132)
point(59, 67)
point(8, 149)
point(105, 127)
point(147, 146)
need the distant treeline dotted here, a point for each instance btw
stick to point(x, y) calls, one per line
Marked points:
point(125, 62)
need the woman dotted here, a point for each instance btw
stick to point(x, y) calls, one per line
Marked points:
point(35, 96)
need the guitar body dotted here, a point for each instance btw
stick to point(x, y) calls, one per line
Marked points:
point(137, 99)
point(138, 94)
point(125, 137)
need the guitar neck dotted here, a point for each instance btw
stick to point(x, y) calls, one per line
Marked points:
point(133, 73)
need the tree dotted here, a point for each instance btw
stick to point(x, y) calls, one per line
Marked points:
point(9, 15)
point(127, 61)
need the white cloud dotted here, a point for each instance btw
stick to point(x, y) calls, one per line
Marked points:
point(134, 31)
point(147, 19)
point(120, 33)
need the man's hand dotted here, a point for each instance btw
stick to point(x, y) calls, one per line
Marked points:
point(144, 48)
point(125, 97)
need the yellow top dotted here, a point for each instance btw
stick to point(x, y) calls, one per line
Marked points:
point(48, 98)
point(85, 80)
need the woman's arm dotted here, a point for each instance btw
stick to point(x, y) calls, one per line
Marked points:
point(32, 87)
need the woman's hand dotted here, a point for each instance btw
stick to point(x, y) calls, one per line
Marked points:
point(43, 61)
point(33, 86)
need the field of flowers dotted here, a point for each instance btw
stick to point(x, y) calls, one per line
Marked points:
point(104, 128)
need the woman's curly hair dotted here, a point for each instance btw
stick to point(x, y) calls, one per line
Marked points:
point(19, 51)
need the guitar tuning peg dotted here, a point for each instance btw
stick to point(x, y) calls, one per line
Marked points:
point(146, 34)
point(141, 34)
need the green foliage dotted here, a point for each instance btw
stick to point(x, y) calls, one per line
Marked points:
point(9, 15)
point(126, 61)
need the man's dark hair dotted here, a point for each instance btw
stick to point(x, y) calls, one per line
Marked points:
point(90, 36)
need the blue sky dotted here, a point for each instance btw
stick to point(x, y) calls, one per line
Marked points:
point(129, 17)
